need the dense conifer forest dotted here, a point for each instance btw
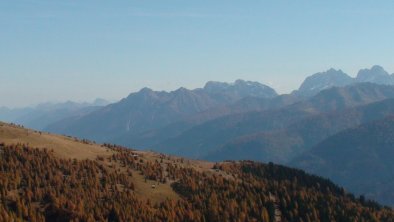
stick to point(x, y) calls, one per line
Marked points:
point(35, 185)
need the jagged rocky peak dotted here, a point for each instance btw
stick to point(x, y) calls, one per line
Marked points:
point(145, 94)
point(324, 80)
point(376, 74)
point(213, 86)
point(241, 87)
point(240, 82)
point(183, 93)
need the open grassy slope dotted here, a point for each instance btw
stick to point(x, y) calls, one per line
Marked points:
point(71, 148)
point(64, 147)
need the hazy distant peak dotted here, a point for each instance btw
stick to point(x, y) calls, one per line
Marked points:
point(324, 80)
point(241, 87)
point(69, 104)
point(376, 74)
point(243, 82)
point(182, 90)
point(240, 82)
point(4, 108)
point(374, 70)
point(215, 85)
point(62, 105)
point(100, 102)
point(333, 71)
point(377, 67)
point(145, 90)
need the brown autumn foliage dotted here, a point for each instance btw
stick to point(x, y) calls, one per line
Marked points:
point(37, 186)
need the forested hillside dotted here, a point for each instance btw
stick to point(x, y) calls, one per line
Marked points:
point(37, 186)
point(359, 158)
point(281, 146)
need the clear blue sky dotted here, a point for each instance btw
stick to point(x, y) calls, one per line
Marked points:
point(79, 49)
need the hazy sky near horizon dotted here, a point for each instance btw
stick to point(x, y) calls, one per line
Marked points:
point(54, 50)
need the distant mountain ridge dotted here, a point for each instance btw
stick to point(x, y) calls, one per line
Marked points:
point(150, 138)
point(324, 80)
point(331, 78)
point(241, 120)
point(211, 135)
point(239, 89)
point(148, 109)
point(222, 94)
point(42, 115)
point(376, 75)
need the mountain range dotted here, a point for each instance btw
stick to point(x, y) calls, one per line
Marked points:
point(42, 115)
point(245, 120)
point(148, 109)
point(330, 78)
point(238, 130)
point(146, 118)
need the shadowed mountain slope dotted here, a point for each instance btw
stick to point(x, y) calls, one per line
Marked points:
point(149, 139)
point(359, 158)
point(212, 135)
point(148, 109)
point(283, 145)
